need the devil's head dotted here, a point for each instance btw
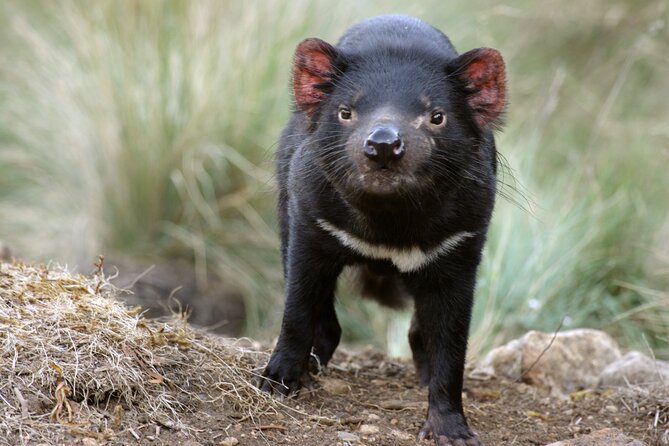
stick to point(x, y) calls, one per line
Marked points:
point(398, 120)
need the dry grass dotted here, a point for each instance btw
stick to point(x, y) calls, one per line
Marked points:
point(651, 404)
point(75, 360)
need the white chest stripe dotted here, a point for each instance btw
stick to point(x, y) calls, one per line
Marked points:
point(405, 259)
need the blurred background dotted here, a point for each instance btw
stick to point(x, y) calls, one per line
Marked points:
point(145, 131)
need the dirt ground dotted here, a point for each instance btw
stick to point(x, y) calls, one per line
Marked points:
point(79, 367)
point(366, 399)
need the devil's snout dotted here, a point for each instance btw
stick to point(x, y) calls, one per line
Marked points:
point(384, 145)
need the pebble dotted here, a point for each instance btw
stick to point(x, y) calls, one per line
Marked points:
point(369, 429)
point(336, 387)
point(402, 435)
point(346, 436)
point(229, 441)
point(400, 404)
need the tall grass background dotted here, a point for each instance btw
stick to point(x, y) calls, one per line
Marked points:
point(147, 129)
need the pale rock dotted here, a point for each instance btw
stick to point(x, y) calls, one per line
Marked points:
point(346, 436)
point(404, 436)
point(635, 369)
point(573, 361)
point(335, 386)
point(369, 429)
point(604, 437)
point(505, 360)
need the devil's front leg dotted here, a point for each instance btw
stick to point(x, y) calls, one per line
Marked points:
point(326, 337)
point(443, 297)
point(311, 276)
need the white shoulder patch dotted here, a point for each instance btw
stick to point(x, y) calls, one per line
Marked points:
point(405, 259)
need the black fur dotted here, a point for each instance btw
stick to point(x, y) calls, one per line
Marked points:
point(388, 71)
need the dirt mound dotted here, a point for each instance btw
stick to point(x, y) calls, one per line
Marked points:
point(77, 361)
point(80, 367)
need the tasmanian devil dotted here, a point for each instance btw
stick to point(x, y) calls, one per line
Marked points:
point(388, 164)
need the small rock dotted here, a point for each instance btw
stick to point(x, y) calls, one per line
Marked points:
point(636, 369)
point(369, 429)
point(336, 387)
point(604, 437)
point(229, 441)
point(573, 361)
point(346, 436)
point(402, 435)
point(373, 417)
point(611, 408)
point(503, 361)
point(401, 404)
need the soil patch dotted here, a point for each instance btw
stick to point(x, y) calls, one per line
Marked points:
point(365, 398)
point(79, 367)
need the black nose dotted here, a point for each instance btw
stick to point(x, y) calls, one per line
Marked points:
point(384, 145)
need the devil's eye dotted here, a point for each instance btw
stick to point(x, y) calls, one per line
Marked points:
point(438, 118)
point(344, 113)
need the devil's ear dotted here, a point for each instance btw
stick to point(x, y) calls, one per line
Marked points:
point(313, 69)
point(482, 74)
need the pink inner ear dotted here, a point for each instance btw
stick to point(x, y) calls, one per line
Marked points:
point(486, 77)
point(312, 66)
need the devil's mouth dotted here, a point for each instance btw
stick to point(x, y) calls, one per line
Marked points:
point(384, 181)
